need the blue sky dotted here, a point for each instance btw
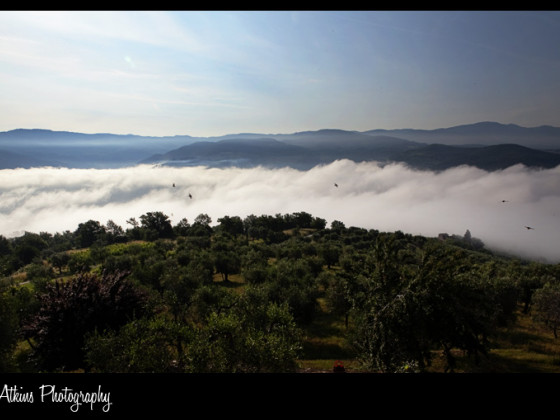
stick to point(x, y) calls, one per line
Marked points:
point(206, 73)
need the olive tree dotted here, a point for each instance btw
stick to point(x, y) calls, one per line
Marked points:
point(414, 302)
point(546, 306)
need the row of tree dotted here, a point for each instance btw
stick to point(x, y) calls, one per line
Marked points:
point(238, 296)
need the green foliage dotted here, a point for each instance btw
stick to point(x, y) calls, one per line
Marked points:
point(8, 329)
point(69, 310)
point(59, 260)
point(80, 262)
point(226, 256)
point(244, 336)
point(546, 306)
point(254, 266)
point(231, 225)
point(414, 302)
point(252, 337)
point(89, 232)
point(141, 346)
point(398, 299)
point(156, 225)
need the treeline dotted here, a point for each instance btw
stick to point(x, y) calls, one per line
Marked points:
point(238, 296)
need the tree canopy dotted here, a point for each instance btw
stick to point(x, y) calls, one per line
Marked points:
point(239, 296)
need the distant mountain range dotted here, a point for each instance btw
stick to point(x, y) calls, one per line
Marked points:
point(486, 145)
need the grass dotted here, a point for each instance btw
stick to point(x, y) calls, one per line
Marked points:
point(526, 347)
point(325, 343)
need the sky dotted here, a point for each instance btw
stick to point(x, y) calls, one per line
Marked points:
point(209, 73)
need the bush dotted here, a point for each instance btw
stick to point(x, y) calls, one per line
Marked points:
point(70, 310)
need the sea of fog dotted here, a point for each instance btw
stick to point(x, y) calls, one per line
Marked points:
point(386, 198)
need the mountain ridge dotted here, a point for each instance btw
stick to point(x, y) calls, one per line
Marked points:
point(494, 157)
point(301, 150)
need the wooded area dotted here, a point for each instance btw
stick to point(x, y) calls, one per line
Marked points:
point(260, 294)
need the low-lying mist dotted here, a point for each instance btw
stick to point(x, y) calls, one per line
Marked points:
point(495, 207)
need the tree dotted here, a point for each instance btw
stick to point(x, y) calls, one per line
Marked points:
point(27, 247)
point(226, 257)
point(254, 267)
point(89, 232)
point(145, 345)
point(156, 225)
point(5, 246)
point(302, 219)
point(201, 227)
point(231, 225)
point(79, 262)
point(182, 227)
point(337, 294)
point(70, 310)
point(253, 336)
point(330, 253)
point(413, 302)
point(149, 271)
point(337, 225)
point(292, 282)
point(60, 260)
point(8, 261)
point(39, 272)
point(529, 279)
point(134, 232)
point(115, 233)
point(546, 306)
point(203, 219)
point(318, 223)
point(8, 330)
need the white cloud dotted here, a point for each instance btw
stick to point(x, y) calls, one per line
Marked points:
point(386, 198)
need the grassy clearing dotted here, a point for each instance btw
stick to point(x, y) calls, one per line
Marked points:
point(526, 347)
point(325, 343)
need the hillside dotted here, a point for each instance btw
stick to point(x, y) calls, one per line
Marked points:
point(281, 293)
point(240, 152)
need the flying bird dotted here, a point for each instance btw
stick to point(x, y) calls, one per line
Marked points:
point(336, 185)
point(173, 185)
point(505, 201)
point(529, 228)
point(190, 196)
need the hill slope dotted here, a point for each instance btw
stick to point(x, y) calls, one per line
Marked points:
point(237, 152)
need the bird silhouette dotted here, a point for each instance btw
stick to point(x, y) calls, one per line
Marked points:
point(190, 196)
point(336, 185)
point(173, 185)
point(529, 228)
point(505, 201)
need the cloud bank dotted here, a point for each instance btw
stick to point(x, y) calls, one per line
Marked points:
point(387, 198)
